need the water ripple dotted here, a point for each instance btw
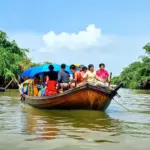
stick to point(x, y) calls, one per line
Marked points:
point(90, 127)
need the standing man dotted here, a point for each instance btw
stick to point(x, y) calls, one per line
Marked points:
point(103, 74)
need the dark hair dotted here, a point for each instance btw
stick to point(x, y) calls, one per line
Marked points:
point(101, 65)
point(84, 68)
point(90, 66)
point(51, 67)
point(73, 67)
point(37, 76)
point(81, 66)
point(63, 66)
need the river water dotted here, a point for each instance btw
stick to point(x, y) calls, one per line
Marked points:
point(25, 128)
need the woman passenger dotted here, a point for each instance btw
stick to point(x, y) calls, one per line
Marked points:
point(84, 70)
point(28, 87)
point(51, 81)
point(91, 76)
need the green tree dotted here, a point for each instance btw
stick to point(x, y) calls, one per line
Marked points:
point(137, 72)
point(10, 56)
point(147, 48)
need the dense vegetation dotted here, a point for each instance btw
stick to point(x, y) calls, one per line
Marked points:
point(13, 59)
point(137, 73)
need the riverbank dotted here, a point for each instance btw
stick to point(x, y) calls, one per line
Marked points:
point(137, 74)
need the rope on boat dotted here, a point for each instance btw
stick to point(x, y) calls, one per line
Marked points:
point(122, 105)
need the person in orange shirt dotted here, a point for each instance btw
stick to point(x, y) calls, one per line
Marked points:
point(77, 77)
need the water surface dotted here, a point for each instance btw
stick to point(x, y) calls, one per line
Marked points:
point(25, 128)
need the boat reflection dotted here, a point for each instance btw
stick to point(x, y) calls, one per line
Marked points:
point(39, 125)
point(48, 125)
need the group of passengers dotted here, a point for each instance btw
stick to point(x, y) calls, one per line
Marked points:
point(56, 82)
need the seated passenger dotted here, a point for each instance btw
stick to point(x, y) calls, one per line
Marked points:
point(102, 73)
point(77, 78)
point(51, 75)
point(27, 88)
point(81, 67)
point(30, 86)
point(24, 89)
point(63, 79)
point(41, 90)
point(36, 82)
point(84, 70)
point(91, 76)
point(51, 81)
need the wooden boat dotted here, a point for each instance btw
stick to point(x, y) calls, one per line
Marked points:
point(84, 97)
point(2, 89)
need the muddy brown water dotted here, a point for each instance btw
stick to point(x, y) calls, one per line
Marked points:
point(25, 128)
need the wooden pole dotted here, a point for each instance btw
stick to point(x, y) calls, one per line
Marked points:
point(17, 83)
point(8, 84)
point(110, 77)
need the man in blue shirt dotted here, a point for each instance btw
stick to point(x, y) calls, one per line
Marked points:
point(63, 78)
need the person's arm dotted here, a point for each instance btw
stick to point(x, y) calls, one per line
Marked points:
point(98, 78)
point(69, 77)
point(25, 82)
point(47, 79)
point(85, 75)
point(81, 74)
point(75, 76)
point(59, 76)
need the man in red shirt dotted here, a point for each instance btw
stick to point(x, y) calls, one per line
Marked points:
point(102, 73)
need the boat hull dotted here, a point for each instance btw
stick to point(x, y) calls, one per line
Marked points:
point(86, 97)
point(2, 89)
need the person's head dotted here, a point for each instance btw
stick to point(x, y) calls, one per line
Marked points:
point(73, 68)
point(80, 67)
point(36, 77)
point(26, 78)
point(84, 69)
point(102, 66)
point(51, 67)
point(63, 66)
point(91, 67)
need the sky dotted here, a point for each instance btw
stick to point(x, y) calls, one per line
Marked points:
point(79, 31)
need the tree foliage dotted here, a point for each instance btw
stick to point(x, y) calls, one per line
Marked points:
point(137, 72)
point(13, 59)
point(147, 48)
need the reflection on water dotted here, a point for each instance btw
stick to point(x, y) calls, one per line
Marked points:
point(21, 126)
point(53, 124)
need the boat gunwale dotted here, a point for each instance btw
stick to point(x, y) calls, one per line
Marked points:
point(89, 86)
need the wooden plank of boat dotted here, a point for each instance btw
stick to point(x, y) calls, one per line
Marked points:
point(2, 89)
point(84, 97)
